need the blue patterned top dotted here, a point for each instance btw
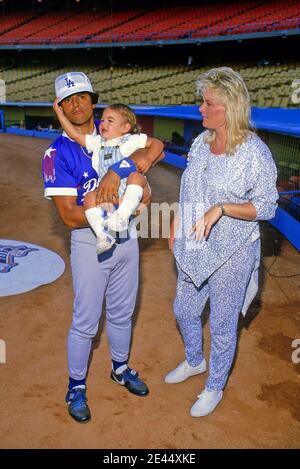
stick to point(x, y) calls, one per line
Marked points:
point(247, 176)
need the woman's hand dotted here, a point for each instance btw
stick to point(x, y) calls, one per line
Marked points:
point(202, 227)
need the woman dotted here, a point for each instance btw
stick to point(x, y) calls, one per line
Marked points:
point(228, 185)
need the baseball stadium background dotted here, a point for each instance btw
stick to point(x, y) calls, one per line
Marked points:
point(148, 55)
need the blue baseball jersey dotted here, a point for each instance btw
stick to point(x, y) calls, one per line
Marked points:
point(68, 170)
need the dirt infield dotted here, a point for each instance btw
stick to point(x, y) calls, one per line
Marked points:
point(261, 404)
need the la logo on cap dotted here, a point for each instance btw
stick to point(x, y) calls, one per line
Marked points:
point(69, 82)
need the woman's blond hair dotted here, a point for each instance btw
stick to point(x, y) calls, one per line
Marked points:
point(128, 115)
point(234, 95)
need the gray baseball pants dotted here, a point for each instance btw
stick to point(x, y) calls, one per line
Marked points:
point(114, 280)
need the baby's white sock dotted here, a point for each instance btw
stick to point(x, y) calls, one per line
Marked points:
point(131, 200)
point(95, 218)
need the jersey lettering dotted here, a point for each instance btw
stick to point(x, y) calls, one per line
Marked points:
point(90, 185)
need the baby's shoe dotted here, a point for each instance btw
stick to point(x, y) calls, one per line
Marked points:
point(104, 243)
point(117, 222)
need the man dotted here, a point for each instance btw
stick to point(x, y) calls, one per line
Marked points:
point(68, 176)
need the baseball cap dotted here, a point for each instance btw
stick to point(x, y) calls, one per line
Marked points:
point(72, 83)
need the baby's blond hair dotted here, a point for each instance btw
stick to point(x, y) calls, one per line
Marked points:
point(128, 114)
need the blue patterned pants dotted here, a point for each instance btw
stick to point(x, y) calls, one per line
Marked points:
point(226, 290)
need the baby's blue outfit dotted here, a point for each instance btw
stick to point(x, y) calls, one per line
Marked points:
point(223, 268)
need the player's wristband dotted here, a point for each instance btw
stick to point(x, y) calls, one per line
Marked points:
point(124, 167)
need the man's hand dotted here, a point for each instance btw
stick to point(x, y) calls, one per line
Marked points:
point(107, 191)
point(141, 161)
point(142, 164)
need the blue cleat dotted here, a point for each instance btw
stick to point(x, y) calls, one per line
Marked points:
point(129, 378)
point(77, 406)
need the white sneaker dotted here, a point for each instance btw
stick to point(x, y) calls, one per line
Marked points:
point(116, 222)
point(206, 403)
point(184, 371)
point(104, 243)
